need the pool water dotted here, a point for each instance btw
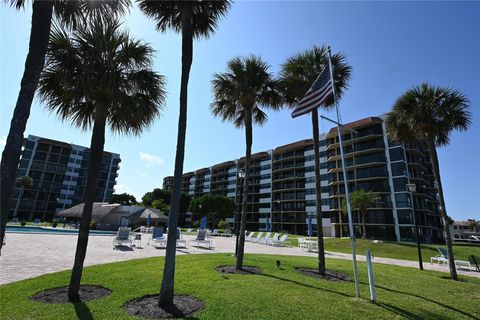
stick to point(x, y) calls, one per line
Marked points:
point(19, 229)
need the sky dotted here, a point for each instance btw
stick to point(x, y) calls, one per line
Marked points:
point(391, 47)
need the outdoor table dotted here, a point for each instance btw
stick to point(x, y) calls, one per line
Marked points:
point(137, 239)
point(310, 245)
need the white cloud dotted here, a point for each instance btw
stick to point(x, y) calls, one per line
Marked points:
point(143, 175)
point(3, 140)
point(150, 160)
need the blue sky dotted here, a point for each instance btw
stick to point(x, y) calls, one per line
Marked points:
point(390, 45)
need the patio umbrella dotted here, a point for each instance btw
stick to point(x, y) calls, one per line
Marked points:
point(310, 227)
point(203, 222)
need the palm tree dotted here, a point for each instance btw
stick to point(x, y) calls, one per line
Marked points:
point(194, 19)
point(361, 200)
point(22, 183)
point(97, 75)
point(429, 115)
point(298, 74)
point(239, 96)
point(70, 13)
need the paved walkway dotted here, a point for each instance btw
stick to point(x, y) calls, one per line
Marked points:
point(30, 255)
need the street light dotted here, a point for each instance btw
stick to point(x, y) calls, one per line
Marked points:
point(241, 176)
point(412, 187)
point(281, 214)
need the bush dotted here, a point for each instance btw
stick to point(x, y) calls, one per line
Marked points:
point(196, 224)
point(222, 224)
point(93, 225)
point(23, 223)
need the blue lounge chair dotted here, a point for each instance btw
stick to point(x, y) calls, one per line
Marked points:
point(201, 240)
point(122, 238)
point(158, 238)
point(181, 243)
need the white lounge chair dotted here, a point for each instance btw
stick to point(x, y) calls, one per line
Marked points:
point(158, 238)
point(272, 239)
point(227, 233)
point(282, 241)
point(258, 237)
point(189, 230)
point(443, 259)
point(122, 238)
point(201, 240)
point(250, 236)
point(265, 240)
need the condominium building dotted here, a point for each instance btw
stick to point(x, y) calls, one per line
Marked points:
point(59, 173)
point(282, 185)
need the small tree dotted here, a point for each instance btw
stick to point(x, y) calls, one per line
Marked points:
point(362, 200)
point(160, 205)
point(222, 224)
point(215, 207)
point(123, 199)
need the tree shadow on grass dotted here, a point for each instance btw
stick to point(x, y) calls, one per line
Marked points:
point(82, 311)
point(306, 285)
point(423, 298)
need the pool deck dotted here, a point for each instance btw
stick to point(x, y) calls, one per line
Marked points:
point(30, 255)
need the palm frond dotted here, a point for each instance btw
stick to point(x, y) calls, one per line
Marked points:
point(426, 111)
point(300, 71)
point(168, 14)
point(100, 63)
point(247, 84)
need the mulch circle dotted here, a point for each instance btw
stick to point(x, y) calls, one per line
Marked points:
point(244, 270)
point(60, 295)
point(147, 307)
point(329, 274)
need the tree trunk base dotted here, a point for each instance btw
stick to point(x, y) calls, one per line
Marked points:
point(147, 307)
point(60, 295)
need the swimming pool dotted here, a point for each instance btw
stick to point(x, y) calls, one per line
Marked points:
point(19, 229)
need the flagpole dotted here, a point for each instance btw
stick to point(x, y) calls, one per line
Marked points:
point(345, 181)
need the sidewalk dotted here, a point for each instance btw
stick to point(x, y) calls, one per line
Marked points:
point(31, 255)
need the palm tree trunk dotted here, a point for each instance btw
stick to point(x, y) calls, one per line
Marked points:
point(443, 211)
point(168, 279)
point(364, 224)
point(318, 194)
point(248, 155)
point(37, 49)
point(94, 165)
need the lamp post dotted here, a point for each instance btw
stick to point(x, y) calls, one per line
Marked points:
point(412, 187)
point(281, 214)
point(241, 176)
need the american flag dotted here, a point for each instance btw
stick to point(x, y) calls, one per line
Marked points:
point(317, 94)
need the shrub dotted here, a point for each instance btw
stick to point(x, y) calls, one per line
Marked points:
point(222, 224)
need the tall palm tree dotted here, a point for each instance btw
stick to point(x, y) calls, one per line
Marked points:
point(298, 74)
point(240, 94)
point(70, 13)
point(430, 114)
point(99, 75)
point(361, 200)
point(193, 19)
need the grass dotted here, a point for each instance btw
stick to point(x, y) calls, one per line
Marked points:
point(394, 250)
point(277, 293)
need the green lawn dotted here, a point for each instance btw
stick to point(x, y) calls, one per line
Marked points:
point(277, 293)
point(394, 250)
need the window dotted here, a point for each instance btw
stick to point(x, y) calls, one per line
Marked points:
point(400, 184)
point(399, 169)
point(396, 154)
point(404, 216)
point(403, 200)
